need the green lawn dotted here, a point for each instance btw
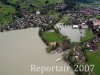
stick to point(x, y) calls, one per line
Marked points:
point(94, 58)
point(88, 35)
point(52, 36)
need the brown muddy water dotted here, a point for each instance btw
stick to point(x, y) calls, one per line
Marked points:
point(20, 49)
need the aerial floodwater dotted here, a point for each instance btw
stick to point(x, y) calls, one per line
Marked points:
point(20, 49)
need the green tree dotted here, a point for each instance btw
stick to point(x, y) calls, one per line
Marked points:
point(4, 1)
point(46, 1)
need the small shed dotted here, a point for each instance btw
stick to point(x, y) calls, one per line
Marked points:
point(52, 44)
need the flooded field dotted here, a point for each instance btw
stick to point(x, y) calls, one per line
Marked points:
point(73, 34)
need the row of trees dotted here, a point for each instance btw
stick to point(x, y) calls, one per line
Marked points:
point(41, 35)
point(81, 1)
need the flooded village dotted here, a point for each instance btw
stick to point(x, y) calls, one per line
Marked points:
point(54, 34)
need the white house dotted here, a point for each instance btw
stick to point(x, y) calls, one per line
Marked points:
point(75, 26)
point(37, 12)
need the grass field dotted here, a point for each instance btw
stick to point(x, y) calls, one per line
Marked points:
point(5, 11)
point(52, 36)
point(88, 35)
point(94, 58)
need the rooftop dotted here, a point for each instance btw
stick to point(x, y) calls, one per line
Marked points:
point(96, 22)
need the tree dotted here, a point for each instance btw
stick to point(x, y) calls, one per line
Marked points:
point(47, 1)
point(65, 56)
point(17, 6)
point(70, 4)
point(99, 34)
point(43, 11)
point(78, 6)
point(68, 41)
point(4, 1)
point(81, 1)
point(65, 38)
point(90, 24)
